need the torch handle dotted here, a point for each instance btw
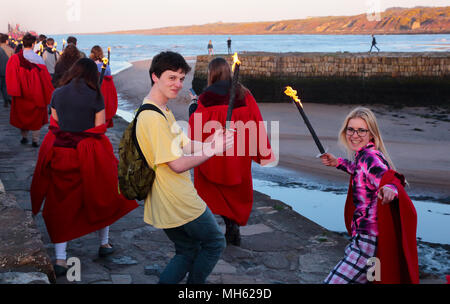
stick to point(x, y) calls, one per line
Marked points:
point(102, 75)
point(310, 128)
point(109, 56)
point(232, 95)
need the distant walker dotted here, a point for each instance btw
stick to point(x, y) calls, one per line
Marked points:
point(374, 44)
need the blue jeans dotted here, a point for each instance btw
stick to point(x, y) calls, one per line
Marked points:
point(198, 247)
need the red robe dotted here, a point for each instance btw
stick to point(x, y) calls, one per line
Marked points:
point(110, 96)
point(79, 184)
point(225, 182)
point(30, 86)
point(397, 224)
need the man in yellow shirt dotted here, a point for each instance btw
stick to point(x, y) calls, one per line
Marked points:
point(173, 203)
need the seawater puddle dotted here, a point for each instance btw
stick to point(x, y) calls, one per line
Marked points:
point(327, 209)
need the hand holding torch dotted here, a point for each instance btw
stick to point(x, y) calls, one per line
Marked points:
point(102, 75)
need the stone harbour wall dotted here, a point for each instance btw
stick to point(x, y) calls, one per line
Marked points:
point(391, 78)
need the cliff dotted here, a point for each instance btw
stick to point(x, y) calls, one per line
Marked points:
point(418, 20)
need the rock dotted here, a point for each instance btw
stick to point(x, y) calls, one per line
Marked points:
point(255, 229)
point(154, 269)
point(124, 260)
point(23, 278)
point(275, 261)
point(224, 268)
point(121, 279)
point(21, 246)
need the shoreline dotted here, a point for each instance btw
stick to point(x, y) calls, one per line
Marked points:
point(427, 176)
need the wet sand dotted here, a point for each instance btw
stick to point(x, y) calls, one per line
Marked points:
point(418, 139)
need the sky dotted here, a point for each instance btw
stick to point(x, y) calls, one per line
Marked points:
point(82, 16)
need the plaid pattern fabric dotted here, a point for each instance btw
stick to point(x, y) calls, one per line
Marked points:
point(352, 269)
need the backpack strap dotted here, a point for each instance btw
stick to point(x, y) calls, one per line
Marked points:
point(143, 107)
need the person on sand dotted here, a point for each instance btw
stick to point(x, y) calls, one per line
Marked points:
point(378, 229)
point(173, 203)
point(108, 88)
point(76, 173)
point(225, 182)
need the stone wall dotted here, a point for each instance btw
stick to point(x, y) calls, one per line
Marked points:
point(22, 253)
point(392, 78)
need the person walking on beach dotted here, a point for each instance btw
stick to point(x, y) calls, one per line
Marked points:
point(373, 224)
point(30, 86)
point(210, 48)
point(5, 53)
point(374, 44)
point(50, 56)
point(173, 203)
point(76, 173)
point(70, 55)
point(225, 182)
point(108, 88)
point(229, 46)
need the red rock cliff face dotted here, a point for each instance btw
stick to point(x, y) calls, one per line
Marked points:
point(420, 20)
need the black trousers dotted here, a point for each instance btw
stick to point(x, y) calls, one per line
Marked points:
point(3, 90)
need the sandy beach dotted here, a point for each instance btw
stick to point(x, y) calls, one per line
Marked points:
point(417, 138)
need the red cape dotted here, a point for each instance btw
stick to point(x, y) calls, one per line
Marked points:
point(30, 86)
point(225, 182)
point(397, 224)
point(79, 186)
point(110, 96)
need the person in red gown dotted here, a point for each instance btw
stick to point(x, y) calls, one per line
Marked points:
point(108, 88)
point(76, 173)
point(225, 182)
point(30, 86)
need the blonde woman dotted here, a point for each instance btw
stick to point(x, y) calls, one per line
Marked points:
point(373, 183)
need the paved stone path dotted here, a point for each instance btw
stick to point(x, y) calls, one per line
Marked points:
point(278, 245)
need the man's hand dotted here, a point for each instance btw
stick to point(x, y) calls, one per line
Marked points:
point(221, 141)
point(386, 195)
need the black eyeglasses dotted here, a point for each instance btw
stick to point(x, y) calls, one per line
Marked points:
point(360, 132)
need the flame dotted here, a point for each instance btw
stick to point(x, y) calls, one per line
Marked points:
point(105, 61)
point(109, 49)
point(293, 93)
point(55, 44)
point(235, 61)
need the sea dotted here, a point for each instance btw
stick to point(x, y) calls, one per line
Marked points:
point(129, 48)
point(314, 200)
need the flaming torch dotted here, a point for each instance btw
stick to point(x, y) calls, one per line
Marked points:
point(102, 75)
point(64, 45)
point(235, 68)
point(41, 50)
point(293, 93)
point(109, 55)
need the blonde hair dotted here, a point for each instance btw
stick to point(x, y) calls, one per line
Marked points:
point(371, 121)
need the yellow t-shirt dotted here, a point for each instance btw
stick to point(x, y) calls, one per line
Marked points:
point(173, 200)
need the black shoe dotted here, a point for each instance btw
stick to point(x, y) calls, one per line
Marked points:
point(24, 141)
point(104, 252)
point(60, 270)
point(232, 233)
point(35, 144)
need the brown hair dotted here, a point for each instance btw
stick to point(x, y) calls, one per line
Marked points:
point(219, 69)
point(96, 53)
point(84, 69)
